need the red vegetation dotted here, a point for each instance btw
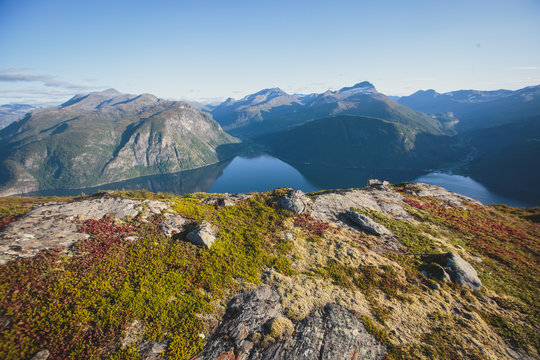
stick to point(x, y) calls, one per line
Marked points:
point(312, 226)
point(494, 235)
point(6, 220)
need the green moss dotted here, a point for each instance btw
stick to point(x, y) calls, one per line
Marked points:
point(519, 334)
point(394, 352)
point(283, 265)
point(18, 205)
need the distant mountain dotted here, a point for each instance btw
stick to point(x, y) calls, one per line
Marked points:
point(360, 142)
point(273, 110)
point(13, 112)
point(236, 116)
point(107, 136)
point(479, 109)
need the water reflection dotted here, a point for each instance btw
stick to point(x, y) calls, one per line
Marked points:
point(467, 186)
point(325, 177)
point(188, 181)
point(262, 172)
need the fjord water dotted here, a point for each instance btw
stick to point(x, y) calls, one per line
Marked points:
point(262, 172)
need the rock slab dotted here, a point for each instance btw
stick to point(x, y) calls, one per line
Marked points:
point(56, 225)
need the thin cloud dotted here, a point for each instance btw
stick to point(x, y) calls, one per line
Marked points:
point(47, 80)
point(421, 79)
point(523, 68)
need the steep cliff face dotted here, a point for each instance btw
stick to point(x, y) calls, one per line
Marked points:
point(409, 271)
point(104, 137)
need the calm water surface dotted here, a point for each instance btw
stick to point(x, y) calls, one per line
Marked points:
point(263, 172)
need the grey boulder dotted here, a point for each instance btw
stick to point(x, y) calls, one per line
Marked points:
point(204, 235)
point(461, 272)
point(368, 224)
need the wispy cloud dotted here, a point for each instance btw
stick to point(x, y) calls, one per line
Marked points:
point(421, 79)
point(11, 75)
point(523, 68)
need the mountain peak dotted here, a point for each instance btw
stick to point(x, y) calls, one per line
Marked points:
point(364, 86)
point(271, 91)
point(108, 92)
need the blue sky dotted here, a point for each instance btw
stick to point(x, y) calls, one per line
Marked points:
point(203, 50)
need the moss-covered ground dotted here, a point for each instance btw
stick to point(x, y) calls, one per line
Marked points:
point(78, 304)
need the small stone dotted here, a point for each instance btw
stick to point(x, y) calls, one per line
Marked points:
point(152, 350)
point(288, 236)
point(433, 285)
point(226, 201)
point(378, 183)
point(134, 334)
point(204, 235)
point(42, 355)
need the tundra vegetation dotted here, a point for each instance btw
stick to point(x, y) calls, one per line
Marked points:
point(82, 301)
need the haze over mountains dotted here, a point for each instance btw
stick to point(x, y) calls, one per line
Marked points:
point(107, 136)
point(13, 112)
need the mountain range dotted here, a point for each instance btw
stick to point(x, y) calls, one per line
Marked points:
point(273, 110)
point(107, 136)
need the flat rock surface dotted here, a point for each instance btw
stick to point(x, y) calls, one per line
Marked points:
point(55, 225)
point(333, 205)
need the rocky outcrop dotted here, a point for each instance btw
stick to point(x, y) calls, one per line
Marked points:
point(243, 324)
point(295, 201)
point(254, 328)
point(204, 235)
point(330, 333)
point(56, 225)
point(368, 224)
point(173, 224)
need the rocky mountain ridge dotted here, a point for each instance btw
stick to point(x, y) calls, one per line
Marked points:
point(273, 110)
point(406, 271)
point(477, 109)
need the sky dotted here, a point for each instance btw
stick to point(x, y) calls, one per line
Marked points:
point(210, 50)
